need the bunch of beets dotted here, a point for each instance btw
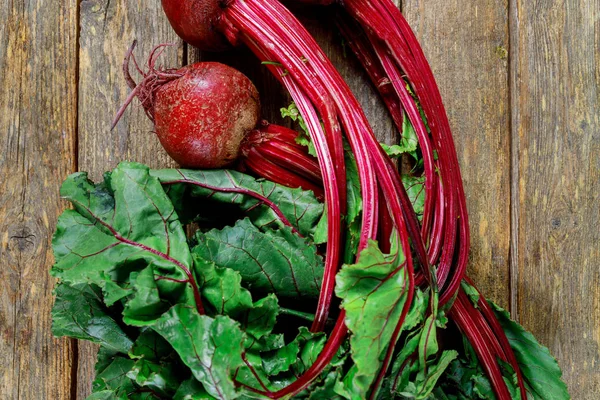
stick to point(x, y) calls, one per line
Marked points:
point(377, 307)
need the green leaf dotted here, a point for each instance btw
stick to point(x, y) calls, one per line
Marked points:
point(540, 370)
point(471, 292)
point(210, 347)
point(105, 357)
point(402, 368)
point(118, 227)
point(261, 318)
point(373, 293)
point(326, 390)
point(354, 208)
point(80, 313)
point(428, 344)
point(415, 188)
point(159, 378)
point(150, 346)
point(191, 390)
point(277, 262)
point(409, 142)
point(221, 287)
point(144, 305)
point(299, 207)
point(280, 360)
point(114, 377)
point(310, 344)
point(303, 138)
point(427, 379)
point(223, 292)
point(105, 395)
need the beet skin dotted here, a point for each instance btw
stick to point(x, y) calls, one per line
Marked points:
point(202, 117)
point(195, 20)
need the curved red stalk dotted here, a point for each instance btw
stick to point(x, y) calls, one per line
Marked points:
point(502, 349)
point(277, 131)
point(501, 336)
point(266, 168)
point(460, 314)
point(387, 84)
point(258, 32)
point(306, 67)
point(328, 284)
point(292, 158)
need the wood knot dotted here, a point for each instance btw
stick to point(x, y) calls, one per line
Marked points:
point(23, 239)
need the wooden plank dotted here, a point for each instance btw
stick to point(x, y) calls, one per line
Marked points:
point(38, 60)
point(107, 30)
point(556, 75)
point(466, 44)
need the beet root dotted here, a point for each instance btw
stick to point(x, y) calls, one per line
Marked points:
point(195, 22)
point(202, 118)
point(201, 112)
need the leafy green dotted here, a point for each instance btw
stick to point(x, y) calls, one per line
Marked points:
point(210, 347)
point(191, 390)
point(540, 370)
point(150, 346)
point(80, 313)
point(373, 294)
point(159, 378)
point(114, 377)
point(299, 207)
point(193, 312)
point(277, 262)
point(409, 142)
point(471, 292)
point(415, 188)
point(303, 138)
point(119, 227)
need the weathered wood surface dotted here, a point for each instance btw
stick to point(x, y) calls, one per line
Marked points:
point(519, 79)
point(556, 150)
point(38, 67)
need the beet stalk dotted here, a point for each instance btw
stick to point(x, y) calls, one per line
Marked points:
point(274, 34)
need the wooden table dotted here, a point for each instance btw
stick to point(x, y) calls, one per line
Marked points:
point(520, 80)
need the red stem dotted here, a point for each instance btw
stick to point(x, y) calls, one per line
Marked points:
point(461, 315)
point(264, 167)
point(501, 336)
point(262, 24)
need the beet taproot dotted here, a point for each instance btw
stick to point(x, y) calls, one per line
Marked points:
point(195, 22)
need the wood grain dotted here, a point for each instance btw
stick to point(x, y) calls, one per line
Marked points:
point(107, 30)
point(556, 77)
point(38, 59)
point(466, 43)
point(527, 133)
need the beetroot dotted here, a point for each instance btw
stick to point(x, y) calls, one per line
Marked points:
point(195, 22)
point(205, 116)
point(201, 112)
point(202, 117)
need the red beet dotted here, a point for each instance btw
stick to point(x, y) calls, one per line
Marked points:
point(201, 112)
point(202, 117)
point(195, 21)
